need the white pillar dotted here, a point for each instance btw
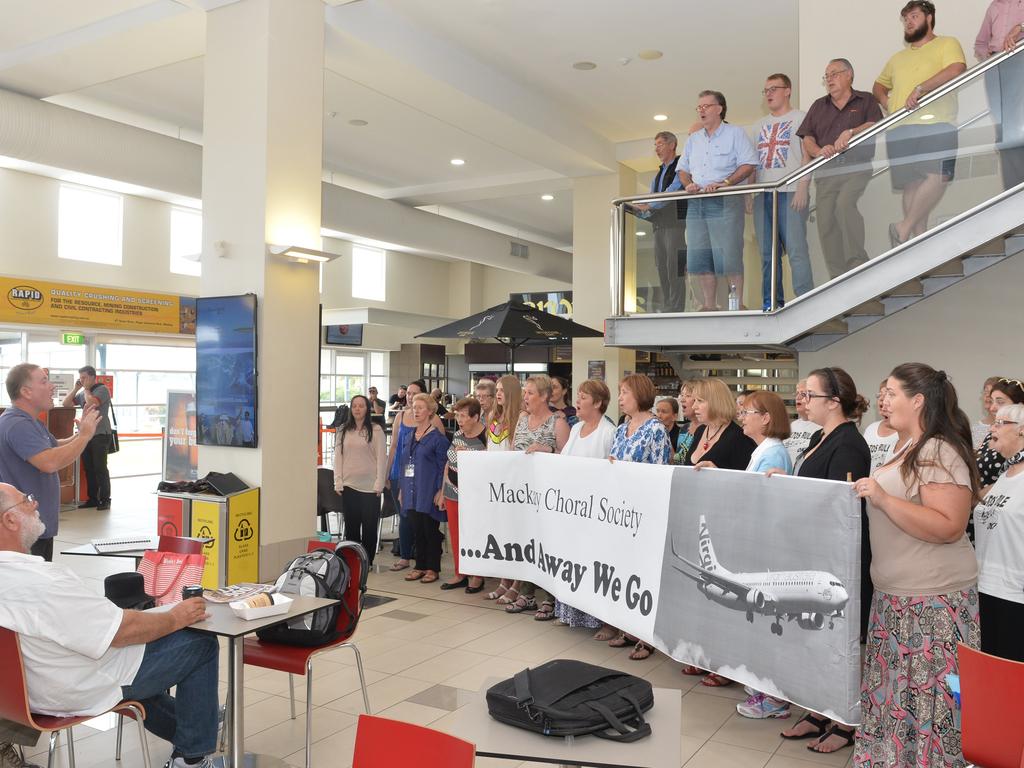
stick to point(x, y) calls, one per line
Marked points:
point(262, 160)
point(591, 283)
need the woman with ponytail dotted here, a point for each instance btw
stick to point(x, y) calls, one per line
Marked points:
point(925, 576)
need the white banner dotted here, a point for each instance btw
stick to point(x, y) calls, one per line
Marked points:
point(755, 578)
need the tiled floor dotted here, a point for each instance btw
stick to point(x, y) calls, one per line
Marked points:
point(426, 654)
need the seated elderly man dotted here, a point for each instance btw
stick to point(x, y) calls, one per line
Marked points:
point(83, 654)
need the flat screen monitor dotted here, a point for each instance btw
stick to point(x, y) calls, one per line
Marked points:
point(226, 393)
point(344, 335)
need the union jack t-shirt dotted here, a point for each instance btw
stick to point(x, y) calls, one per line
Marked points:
point(779, 151)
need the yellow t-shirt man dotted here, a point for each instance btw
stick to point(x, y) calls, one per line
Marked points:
point(911, 67)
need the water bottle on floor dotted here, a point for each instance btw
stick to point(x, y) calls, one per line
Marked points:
point(734, 298)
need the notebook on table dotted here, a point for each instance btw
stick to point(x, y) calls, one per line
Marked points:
point(124, 544)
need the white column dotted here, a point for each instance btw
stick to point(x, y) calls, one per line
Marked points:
point(591, 283)
point(262, 160)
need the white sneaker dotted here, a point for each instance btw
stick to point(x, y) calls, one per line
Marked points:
point(760, 707)
point(179, 762)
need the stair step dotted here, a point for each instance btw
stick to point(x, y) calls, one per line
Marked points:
point(910, 288)
point(834, 326)
point(953, 268)
point(873, 307)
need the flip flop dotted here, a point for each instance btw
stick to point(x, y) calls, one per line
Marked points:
point(835, 730)
point(619, 641)
point(711, 680)
point(689, 669)
point(398, 566)
point(605, 634)
point(641, 651)
point(820, 723)
point(415, 575)
point(429, 578)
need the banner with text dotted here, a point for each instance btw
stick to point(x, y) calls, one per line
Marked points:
point(755, 578)
point(81, 306)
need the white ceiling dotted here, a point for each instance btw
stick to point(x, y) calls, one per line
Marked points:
point(490, 81)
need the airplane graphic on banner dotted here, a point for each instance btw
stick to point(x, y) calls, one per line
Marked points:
point(809, 597)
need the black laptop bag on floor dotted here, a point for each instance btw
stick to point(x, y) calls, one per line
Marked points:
point(565, 697)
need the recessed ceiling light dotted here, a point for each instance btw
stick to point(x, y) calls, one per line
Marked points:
point(661, 118)
point(547, 197)
point(641, 234)
point(457, 161)
point(357, 123)
point(584, 65)
point(650, 54)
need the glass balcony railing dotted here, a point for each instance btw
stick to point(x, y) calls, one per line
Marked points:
point(760, 246)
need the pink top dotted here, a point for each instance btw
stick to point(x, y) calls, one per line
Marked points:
point(358, 463)
point(1000, 19)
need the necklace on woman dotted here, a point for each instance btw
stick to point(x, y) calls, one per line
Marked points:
point(708, 437)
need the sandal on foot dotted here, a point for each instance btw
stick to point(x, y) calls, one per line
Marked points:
point(641, 651)
point(415, 575)
point(711, 680)
point(498, 593)
point(510, 596)
point(842, 733)
point(689, 669)
point(619, 641)
point(604, 634)
point(820, 724)
point(522, 603)
point(429, 578)
point(546, 612)
point(401, 565)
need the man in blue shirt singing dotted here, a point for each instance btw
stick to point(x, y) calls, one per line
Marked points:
point(668, 220)
point(719, 155)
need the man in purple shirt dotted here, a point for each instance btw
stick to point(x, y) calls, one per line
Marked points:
point(830, 125)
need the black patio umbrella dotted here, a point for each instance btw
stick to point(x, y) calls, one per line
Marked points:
point(513, 324)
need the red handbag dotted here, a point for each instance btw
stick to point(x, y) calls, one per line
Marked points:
point(165, 573)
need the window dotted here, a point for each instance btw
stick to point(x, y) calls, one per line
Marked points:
point(368, 273)
point(186, 241)
point(89, 225)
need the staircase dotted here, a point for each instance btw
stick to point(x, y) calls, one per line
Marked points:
point(953, 251)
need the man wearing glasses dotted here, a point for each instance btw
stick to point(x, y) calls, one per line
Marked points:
point(831, 123)
point(718, 155)
point(30, 456)
point(82, 654)
point(780, 153)
point(922, 148)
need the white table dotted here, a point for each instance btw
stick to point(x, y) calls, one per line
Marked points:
point(662, 749)
point(224, 623)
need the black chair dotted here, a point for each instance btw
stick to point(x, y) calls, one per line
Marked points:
point(327, 499)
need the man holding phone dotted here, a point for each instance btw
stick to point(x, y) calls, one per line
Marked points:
point(89, 391)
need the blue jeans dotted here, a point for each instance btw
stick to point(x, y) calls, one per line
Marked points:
point(714, 235)
point(792, 239)
point(187, 660)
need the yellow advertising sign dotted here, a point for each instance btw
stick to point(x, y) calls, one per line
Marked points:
point(42, 302)
point(206, 524)
point(243, 550)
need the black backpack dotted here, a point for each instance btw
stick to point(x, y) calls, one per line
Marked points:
point(321, 573)
point(565, 697)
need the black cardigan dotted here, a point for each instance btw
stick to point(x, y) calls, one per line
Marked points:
point(844, 451)
point(732, 451)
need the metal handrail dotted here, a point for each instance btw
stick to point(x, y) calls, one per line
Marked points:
point(618, 228)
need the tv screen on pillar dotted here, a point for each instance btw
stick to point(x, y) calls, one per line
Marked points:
point(226, 391)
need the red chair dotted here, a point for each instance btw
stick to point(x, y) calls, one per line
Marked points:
point(297, 660)
point(14, 703)
point(378, 740)
point(990, 710)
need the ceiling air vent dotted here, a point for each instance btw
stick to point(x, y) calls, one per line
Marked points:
point(519, 250)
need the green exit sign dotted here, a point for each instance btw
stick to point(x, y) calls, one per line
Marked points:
point(72, 338)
